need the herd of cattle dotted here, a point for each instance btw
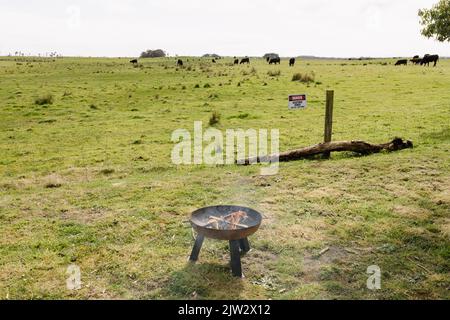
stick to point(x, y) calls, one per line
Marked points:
point(246, 60)
point(270, 60)
point(426, 60)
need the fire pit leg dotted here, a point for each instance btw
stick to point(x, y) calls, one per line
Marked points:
point(197, 246)
point(245, 245)
point(235, 258)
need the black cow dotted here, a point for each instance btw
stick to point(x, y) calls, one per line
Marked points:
point(180, 63)
point(134, 61)
point(416, 60)
point(276, 60)
point(429, 58)
point(402, 62)
point(213, 60)
point(292, 62)
point(245, 60)
point(236, 61)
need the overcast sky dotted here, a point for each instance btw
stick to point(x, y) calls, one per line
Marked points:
point(344, 28)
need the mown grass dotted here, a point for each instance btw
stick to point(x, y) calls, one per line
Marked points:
point(88, 180)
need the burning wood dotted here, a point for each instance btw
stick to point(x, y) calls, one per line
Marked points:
point(229, 222)
point(236, 217)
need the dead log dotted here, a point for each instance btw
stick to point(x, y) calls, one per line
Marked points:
point(360, 147)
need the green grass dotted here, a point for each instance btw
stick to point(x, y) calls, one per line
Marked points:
point(88, 180)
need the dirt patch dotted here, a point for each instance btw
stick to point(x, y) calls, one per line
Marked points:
point(261, 256)
point(84, 216)
point(315, 262)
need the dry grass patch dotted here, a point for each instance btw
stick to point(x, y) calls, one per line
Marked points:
point(302, 233)
point(43, 100)
point(442, 197)
point(304, 77)
point(84, 216)
point(53, 181)
point(410, 212)
point(444, 225)
point(325, 192)
point(313, 263)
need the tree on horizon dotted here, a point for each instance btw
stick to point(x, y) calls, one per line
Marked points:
point(436, 21)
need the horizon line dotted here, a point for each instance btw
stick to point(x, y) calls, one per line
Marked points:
point(202, 56)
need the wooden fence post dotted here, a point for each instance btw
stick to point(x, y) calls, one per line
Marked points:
point(329, 120)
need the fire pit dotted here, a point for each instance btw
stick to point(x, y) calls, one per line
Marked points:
point(232, 223)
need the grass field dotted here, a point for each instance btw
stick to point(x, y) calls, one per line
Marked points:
point(88, 180)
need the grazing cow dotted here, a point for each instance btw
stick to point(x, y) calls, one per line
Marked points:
point(429, 58)
point(276, 60)
point(401, 62)
point(416, 60)
point(134, 61)
point(180, 63)
point(236, 61)
point(213, 60)
point(245, 60)
point(292, 62)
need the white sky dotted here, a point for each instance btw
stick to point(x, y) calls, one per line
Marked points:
point(340, 28)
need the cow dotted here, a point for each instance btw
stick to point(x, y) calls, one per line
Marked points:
point(180, 63)
point(276, 60)
point(134, 61)
point(213, 60)
point(402, 62)
point(429, 58)
point(236, 61)
point(416, 60)
point(245, 60)
point(292, 62)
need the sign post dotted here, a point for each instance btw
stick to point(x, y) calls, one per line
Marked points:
point(329, 120)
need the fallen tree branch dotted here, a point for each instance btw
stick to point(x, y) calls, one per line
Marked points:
point(360, 147)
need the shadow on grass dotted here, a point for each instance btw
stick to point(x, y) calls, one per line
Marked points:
point(204, 280)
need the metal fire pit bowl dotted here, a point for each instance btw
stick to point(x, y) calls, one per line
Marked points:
point(200, 218)
point(237, 237)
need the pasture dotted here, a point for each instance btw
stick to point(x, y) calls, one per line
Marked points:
point(87, 179)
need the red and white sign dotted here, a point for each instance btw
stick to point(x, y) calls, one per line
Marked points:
point(297, 101)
